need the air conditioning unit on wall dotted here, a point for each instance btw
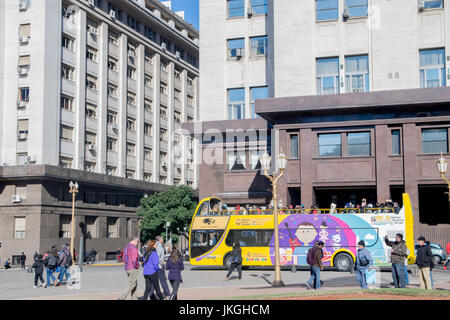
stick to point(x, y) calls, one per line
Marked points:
point(16, 199)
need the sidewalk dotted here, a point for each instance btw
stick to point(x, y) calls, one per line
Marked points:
point(233, 291)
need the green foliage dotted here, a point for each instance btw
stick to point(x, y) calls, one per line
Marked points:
point(175, 205)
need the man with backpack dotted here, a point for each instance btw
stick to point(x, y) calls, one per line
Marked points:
point(314, 259)
point(64, 262)
point(50, 263)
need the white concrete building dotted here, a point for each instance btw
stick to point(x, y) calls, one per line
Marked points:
point(98, 85)
point(311, 47)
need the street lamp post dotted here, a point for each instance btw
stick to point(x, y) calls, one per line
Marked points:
point(265, 166)
point(73, 189)
point(442, 168)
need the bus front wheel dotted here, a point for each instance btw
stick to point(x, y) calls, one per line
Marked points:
point(343, 262)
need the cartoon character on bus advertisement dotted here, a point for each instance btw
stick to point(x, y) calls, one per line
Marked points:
point(299, 232)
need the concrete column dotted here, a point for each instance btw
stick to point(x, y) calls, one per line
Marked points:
point(102, 107)
point(410, 167)
point(140, 99)
point(306, 174)
point(156, 115)
point(171, 124)
point(122, 114)
point(80, 99)
point(184, 139)
point(382, 162)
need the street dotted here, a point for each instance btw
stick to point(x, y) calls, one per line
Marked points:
point(107, 282)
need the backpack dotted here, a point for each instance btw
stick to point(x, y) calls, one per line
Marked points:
point(52, 262)
point(68, 260)
point(310, 256)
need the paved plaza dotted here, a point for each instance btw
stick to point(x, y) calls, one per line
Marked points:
point(106, 282)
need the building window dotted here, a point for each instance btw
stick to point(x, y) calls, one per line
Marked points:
point(89, 197)
point(432, 68)
point(111, 144)
point(190, 81)
point(131, 149)
point(91, 111)
point(190, 119)
point(91, 54)
point(24, 94)
point(90, 139)
point(357, 73)
point(112, 227)
point(66, 133)
point(131, 98)
point(148, 105)
point(190, 101)
point(177, 116)
point(22, 129)
point(148, 57)
point(111, 199)
point(236, 48)
point(68, 43)
point(395, 141)
point(22, 159)
point(258, 93)
point(148, 81)
point(67, 103)
point(131, 124)
point(236, 104)
point(112, 90)
point(65, 222)
point(163, 111)
point(110, 171)
point(236, 160)
point(327, 10)
point(112, 117)
point(67, 72)
point(433, 4)
point(164, 88)
point(294, 146)
point(147, 153)
point(164, 66)
point(24, 62)
point(91, 226)
point(255, 159)
point(330, 145)
point(177, 74)
point(358, 144)
point(357, 8)
point(131, 73)
point(327, 76)
point(258, 46)
point(236, 8)
point(147, 129)
point(65, 162)
point(19, 227)
point(113, 64)
point(162, 134)
point(149, 33)
point(259, 6)
point(91, 82)
point(434, 140)
point(113, 38)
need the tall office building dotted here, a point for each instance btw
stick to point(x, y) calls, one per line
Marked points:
point(355, 93)
point(93, 90)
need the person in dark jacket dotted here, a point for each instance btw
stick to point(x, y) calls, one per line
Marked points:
point(50, 263)
point(175, 265)
point(316, 266)
point(424, 261)
point(236, 261)
point(23, 258)
point(151, 268)
point(8, 264)
point(64, 262)
point(398, 255)
point(38, 266)
point(364, 261)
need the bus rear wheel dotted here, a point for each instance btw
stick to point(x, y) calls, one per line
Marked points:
point(343, 262)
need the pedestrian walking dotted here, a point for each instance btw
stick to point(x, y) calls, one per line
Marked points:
point(424, 260)
point(131, 263)
point(363, 262)
point(398, 255)
point(175, 265)
point(236, 261)
point(151, 264)
point(23, 258)
point(50, 263)
point(314, 259)
point(64, 262)
point(38, 267)
point(162, 270)
point(448, 256)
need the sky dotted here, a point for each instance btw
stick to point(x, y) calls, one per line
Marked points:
point(190, 8)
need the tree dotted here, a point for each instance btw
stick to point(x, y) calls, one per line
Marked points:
point(175, 205)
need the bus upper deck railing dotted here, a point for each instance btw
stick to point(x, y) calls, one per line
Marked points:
point(244, 212)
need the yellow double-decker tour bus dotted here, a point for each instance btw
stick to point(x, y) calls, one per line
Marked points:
point(214, 230)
